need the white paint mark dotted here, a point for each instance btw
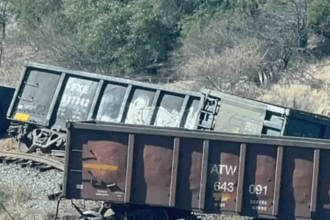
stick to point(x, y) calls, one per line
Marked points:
point(191, 118)
point(166, 118)
point(138, 111)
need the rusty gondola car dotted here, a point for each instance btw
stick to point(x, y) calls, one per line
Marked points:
point(6, 95)
point(48, 96)
point(234, 114)
point(149, 172)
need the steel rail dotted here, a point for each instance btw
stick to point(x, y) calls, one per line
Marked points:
point(36, 158)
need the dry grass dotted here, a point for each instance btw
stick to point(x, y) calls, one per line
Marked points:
point(231, 63)
point(7, 144)
point(14, 200)
point(301, 97)
point(235, 70)
point(11, 64)
point(310, 92)
point(322, 71)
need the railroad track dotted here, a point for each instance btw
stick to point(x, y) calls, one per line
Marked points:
point(33, 161)
point(30, 160)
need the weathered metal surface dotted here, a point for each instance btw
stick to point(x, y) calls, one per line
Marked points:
point(35, 95)
point(222, 176)
point(323, 193)
point(190, 170)
point(247, 116)
point(48, 96)
point(76, 100)
point(104, 170)
point(233, 120)
point(6, 95)
point(298, 173)
point(261, 185)
point(257, 176)
point(51, 96)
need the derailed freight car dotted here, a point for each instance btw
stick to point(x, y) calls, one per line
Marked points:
point(6, 95)
point(158, 173)
point(234, 114)
point(48, 96)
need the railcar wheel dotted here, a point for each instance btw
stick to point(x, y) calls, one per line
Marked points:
point(24, 146)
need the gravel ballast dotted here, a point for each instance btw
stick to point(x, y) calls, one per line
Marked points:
point(38, 183)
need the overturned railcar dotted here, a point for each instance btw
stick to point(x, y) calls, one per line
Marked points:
point(6, 95)
point(159, 173)
point(48, 96)
point(234, 114)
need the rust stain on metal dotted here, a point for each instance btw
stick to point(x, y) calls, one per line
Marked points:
point(195, 177)
point(107, 152)
point(157, 172)
point(265, 175)
point(100, 157)
point(228, 173)
point(302, 180)
point(195, 171)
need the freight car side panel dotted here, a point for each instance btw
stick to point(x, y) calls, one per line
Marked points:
point(247, 116)
point(76, 100)
point(50, 96)
point(111, 103)
point(262, 177)
point(242, 116)
point(6, 95)
point(303, 124)
point(35, 95)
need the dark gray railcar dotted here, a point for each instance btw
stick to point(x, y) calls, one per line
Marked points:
point(48, 96)
point(234, 114)
point(143, 169)
point(6, 95)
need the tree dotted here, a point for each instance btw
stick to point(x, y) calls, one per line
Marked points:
point(31, 12)
point(125, 36)
point(3, 22)
point(319, 11)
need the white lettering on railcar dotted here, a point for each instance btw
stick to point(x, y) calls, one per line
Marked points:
point(259, 208)
point(261, 205)
point(257, 189)
point(218, 169)
point(74, 100)
point(83, 89)
point(225, 187)
point(258, 202)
